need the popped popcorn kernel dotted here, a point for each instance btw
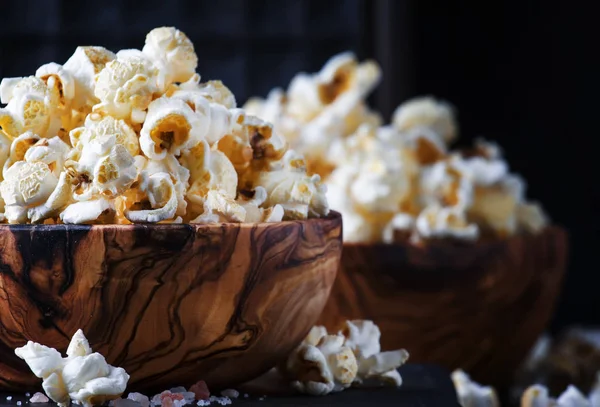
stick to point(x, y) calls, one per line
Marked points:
point(134, 136)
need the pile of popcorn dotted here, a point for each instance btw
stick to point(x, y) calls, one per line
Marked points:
point(399, 181)
point(135, 137)
point(324, 363)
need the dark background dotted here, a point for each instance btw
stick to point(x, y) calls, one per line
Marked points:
point(519, 72)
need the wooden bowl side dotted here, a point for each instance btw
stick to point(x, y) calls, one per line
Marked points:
point(476, 307)
point(172, 304)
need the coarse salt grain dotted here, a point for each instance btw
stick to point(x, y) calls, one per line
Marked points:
point(19, 403)
point(178, 389)
point(200, 389)
point(143, 400)
point(39, 398)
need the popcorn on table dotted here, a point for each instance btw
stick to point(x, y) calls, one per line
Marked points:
point(135, 137)
point(472, 394)
point(324, 363)
point(82, 376)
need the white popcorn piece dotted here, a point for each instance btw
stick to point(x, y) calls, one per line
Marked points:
point(84, 65)
point(220, 208)
point(362, 336)
point(444, 183)
point(173, 51)
point(472, 394)
point(85, 211)
point(105, 127)
point(401, 222)
point(58, 199)
point(330, 366)
point(18, 148)
point(162, 198)
point(125, 88)
point(531, 217)
point(254, 212)
point(31, 106)
point(170, 127)
point(429, 113)
point(82, 376)
point(60, 82)
point(437, 222)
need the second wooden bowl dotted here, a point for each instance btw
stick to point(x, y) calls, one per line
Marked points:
point(478, 307)
point(172, 304)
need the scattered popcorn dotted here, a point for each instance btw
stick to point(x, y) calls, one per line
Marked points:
point(82, 376)
point(326, 363)
point(135, 137)
point(472, 394)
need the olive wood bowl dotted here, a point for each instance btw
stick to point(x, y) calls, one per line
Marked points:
point(478, 306)
point(172, 304)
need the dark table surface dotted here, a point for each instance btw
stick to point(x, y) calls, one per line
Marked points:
point(423, 385)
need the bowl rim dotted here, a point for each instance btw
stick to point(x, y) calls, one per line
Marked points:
point(459, 244)
point(333, 216)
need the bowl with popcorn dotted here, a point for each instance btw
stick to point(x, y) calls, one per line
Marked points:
point(140, 205)
point(441, 247)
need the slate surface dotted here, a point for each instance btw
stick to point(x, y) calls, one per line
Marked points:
point(424, 385)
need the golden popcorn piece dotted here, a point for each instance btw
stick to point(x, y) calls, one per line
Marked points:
point(161, 203)
point(427, 112)
point(125, 88)
point(60, 82)
point(329, 366)
point(30, 107)
point(170, 127)
point(19, 147)
point(437, 222)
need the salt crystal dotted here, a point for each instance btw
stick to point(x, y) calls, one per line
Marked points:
point(19, 403)
point(179, 403)
point(246, 395)
point(143, 400)
point(167, 402)
point(178, 389)
point(126, 403)
point(201, 391)
point(27, 394)
point(9, 398)
point(188, 396)
point(203, 403)
point(39, 398)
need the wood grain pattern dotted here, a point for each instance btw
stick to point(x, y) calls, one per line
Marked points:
point(479, 306)
point(172, 304)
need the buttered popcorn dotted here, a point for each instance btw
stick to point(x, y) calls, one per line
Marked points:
point(401, 182)
point(136, 137)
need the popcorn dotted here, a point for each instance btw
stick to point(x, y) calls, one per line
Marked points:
point(472, 394)
point(170, 127)
point(426, 112)
point(538, 396)
point(174, 51)
point(135, 137)
point(321, 369)
point(363, 338)
point(84, 65)
point(82, 376)
point(319, 109)
point(31, 106)
point(125, 88)
point(325, 363)
point(437, 222)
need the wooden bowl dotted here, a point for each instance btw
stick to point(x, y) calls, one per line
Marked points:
point(172, 304)
point(479, 307)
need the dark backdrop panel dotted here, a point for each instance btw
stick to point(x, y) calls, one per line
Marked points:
point(522, 73)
